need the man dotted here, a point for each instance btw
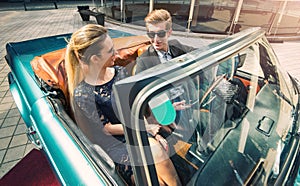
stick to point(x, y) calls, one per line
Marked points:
point(159, 29)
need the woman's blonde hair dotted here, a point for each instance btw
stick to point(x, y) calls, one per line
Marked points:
point(83, 44)
point(159, 16)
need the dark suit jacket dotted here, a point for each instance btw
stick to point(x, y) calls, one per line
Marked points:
point(150, 57)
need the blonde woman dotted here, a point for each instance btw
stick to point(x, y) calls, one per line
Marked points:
point(91, 74)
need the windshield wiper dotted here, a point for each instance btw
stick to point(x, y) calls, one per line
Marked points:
point(295, 112)
point(296, 128)
point(295, 119)
point(279, 93)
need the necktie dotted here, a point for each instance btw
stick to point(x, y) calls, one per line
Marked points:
point(167, 56)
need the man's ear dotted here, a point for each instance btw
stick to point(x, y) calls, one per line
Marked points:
point(170, 32)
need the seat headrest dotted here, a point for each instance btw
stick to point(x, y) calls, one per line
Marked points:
point(127, 48)
point(51, 69)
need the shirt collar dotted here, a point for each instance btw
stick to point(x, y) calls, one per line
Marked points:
point(162, 53)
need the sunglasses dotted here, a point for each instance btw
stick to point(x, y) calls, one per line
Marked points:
point(161, 33)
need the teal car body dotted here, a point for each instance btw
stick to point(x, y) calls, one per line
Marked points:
point(46, 120)
point(267, 153)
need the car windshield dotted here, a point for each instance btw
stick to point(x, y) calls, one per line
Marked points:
point(233, 115)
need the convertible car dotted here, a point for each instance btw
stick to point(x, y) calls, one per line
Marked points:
point(239, 125)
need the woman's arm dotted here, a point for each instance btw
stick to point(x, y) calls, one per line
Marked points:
point(113, 129)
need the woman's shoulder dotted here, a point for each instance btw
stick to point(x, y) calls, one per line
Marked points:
point(83, 89)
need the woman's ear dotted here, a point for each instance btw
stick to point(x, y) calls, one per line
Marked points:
point(83, 66)
point(94, 58)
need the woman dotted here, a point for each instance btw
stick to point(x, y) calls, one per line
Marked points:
point(91, 74)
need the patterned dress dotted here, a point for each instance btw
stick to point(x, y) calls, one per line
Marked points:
point(96, 103)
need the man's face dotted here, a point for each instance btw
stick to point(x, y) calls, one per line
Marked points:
point(159, 35)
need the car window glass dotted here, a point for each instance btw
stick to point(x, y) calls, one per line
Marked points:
point(236, 93)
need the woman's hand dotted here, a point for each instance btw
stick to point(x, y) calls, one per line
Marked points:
point(163, 142)
point(152, 129)
point(113, 129)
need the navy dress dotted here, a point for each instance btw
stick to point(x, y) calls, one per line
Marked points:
point(96, 103)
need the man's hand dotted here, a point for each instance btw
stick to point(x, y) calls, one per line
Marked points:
point(180, 105)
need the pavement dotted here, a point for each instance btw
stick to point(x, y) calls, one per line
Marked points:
point(18, 25)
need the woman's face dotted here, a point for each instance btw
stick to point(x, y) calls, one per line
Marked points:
point(107, 55)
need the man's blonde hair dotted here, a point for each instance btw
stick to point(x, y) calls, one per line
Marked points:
point(159, 16)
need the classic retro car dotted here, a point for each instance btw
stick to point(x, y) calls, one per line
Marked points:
point(240, 124)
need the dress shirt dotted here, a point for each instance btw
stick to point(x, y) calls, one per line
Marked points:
point(164, 56)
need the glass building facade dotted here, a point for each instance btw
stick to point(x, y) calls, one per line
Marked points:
point(279, 18)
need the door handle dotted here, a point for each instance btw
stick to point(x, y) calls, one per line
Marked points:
point(33, 137)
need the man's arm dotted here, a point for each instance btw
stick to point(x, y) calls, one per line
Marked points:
point(140, 65)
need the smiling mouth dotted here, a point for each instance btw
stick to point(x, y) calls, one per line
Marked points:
point(157, 44)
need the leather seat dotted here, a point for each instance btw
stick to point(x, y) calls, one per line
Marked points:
point(50, 66)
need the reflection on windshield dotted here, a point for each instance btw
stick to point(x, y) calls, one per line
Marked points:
point(234, 105)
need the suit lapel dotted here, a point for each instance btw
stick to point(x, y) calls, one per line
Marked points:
point(175, 51)
point(177, 48)
point(154, 56)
